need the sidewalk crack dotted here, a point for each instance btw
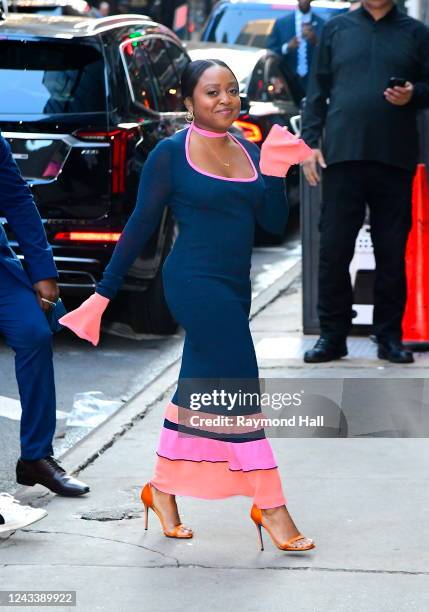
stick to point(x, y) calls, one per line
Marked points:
point(225, 567)
point(84, 535)
point(306, 568)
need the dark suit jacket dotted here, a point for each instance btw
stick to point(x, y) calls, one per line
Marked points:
point(17, 205)
point(283, 31)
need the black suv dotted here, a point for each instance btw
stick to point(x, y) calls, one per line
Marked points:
point(83, 101)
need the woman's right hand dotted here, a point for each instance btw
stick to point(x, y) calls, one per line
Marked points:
point(85, 321)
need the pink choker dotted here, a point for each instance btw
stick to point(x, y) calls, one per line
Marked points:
point(207, 133)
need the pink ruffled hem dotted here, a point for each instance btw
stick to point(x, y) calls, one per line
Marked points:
point(246, 456)
point(207, 480)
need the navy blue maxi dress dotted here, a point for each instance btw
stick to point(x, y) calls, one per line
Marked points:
point(207, 287)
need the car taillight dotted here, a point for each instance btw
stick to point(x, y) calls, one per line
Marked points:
point(251, 131)
point(88, 236)
point(118, 139)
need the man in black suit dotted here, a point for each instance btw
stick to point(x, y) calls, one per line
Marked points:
point(294, 38)
point(368, 81)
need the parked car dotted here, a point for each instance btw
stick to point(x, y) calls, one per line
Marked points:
point(83, 101)
point(250, 23)
point(267, 96)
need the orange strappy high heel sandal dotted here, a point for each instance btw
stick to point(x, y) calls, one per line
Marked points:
point(256, 516)
point(147, 499)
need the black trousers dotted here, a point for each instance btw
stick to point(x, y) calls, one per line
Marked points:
point(347, 188)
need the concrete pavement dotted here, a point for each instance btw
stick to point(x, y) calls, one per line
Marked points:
point(364, 501)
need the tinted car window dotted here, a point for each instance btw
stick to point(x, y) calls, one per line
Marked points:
point(141, 80)
point(240, 25)
point(50, 78)
point(178, 57)
point(167, 79)
point(254, 33)
point(247, 25)
point(211, 33)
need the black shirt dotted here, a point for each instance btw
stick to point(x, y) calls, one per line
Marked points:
point(355, 58)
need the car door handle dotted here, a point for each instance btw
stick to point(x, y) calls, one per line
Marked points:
point(295, 122)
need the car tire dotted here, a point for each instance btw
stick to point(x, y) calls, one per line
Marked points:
point(148, 312)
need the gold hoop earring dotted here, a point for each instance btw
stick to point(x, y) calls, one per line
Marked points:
point(189, 116)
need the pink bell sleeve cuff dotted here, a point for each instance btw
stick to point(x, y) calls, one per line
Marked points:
point(281, 150)
point(85, 321)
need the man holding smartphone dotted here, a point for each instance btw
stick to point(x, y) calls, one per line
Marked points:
point(369, 79)
point(294, 37)
point(24, 295)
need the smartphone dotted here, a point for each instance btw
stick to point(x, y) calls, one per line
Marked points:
point(396, 82)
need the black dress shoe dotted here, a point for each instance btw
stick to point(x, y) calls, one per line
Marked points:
point(393, 350)
point(48, 473)
point(326, 349)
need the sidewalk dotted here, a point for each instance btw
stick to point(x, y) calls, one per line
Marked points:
point(364, 501)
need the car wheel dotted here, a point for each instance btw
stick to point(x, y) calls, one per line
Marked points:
point(148, 311)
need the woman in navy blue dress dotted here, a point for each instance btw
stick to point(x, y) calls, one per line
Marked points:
point(212, 182)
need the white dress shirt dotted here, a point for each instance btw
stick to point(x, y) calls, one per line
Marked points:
point(302, 62)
